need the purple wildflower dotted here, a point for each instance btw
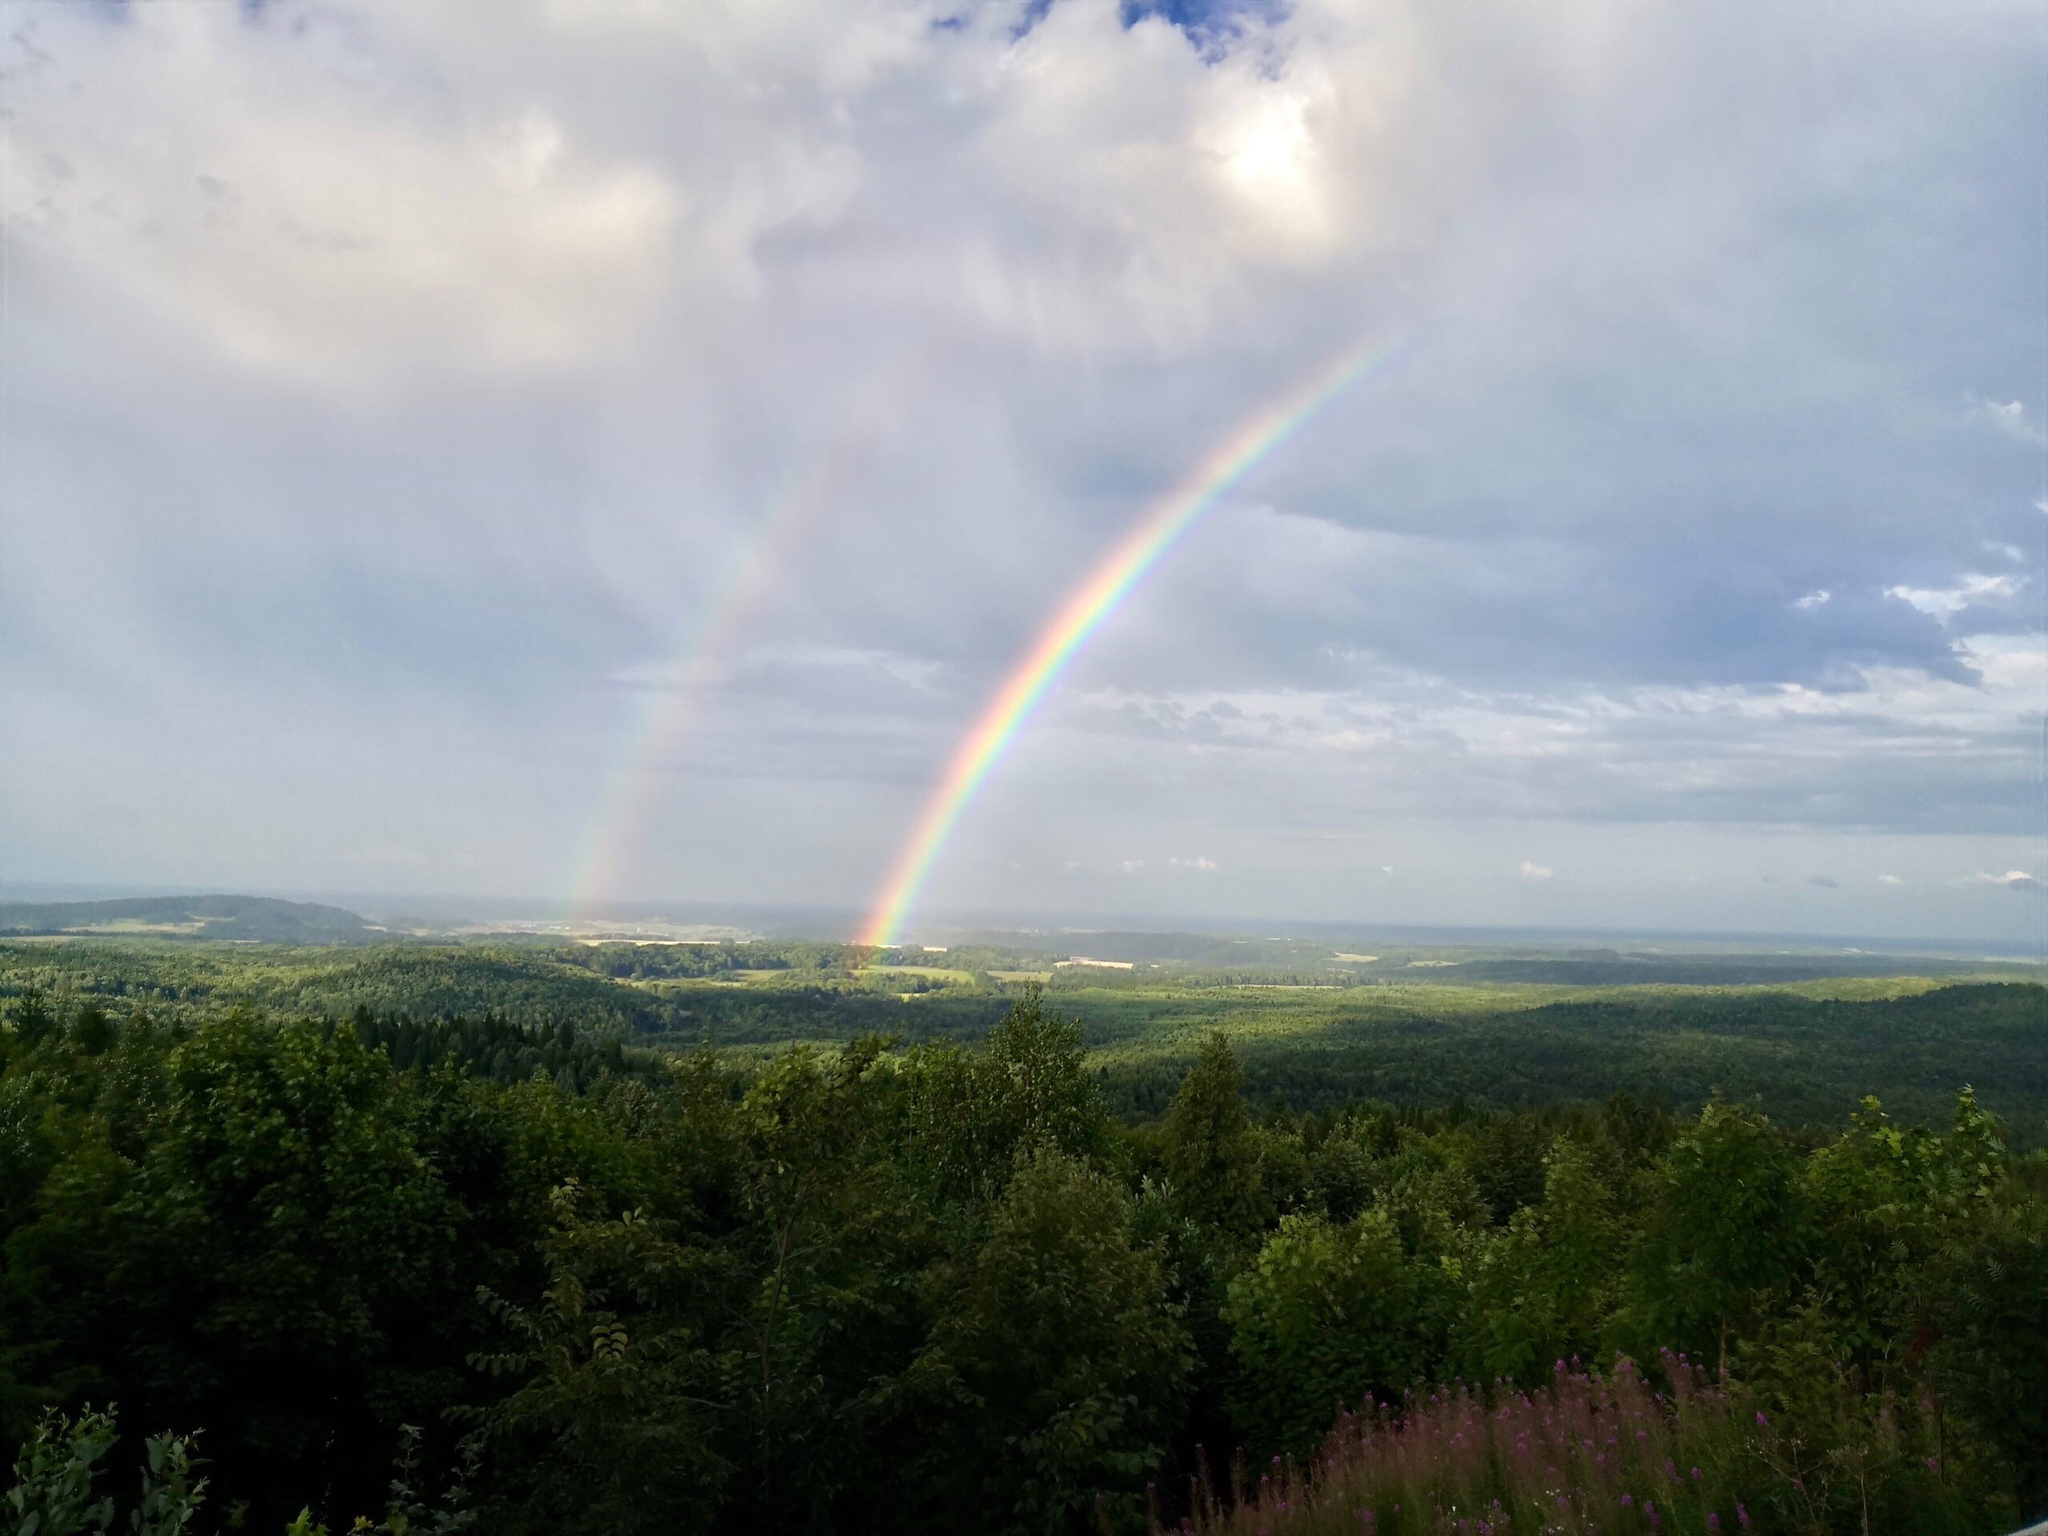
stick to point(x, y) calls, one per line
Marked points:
point(1742, 1516)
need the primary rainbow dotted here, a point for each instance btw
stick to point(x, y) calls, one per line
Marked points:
point(1107, 585)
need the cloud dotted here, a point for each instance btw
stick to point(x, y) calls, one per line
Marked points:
point(1889, 880)
point(1532, 871)
point(1200, 864)
point(1131, 866)
point(1944, 603)
point(1825, 882)
point(2011, 419)
point(477, 384)
point(2011, 880)
point(305, 228)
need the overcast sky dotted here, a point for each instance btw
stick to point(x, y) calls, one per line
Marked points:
point(393, 390)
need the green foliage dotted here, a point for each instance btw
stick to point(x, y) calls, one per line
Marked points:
point(610, 1380)
point(563, 1282)
point(55, 1474)
point(1328, 1317)
point(58, 1472)
point(1027, 1087)
point(1056, 1347)
point(1209, 1150)
point(1544, 1287)
point(1727, 1228)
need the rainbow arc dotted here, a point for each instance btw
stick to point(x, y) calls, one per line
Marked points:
point(1108, 584)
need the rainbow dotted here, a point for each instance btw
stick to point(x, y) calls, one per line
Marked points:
point(752, 574)
point(1112, 580)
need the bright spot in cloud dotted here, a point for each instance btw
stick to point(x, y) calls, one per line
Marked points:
point(1533, 871)
point(1889, 880)
point(1813, 599)
point(1200, 864)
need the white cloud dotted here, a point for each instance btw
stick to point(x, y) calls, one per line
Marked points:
point(2011, 419)
point(1813, 599)
point(1944, 603)
point(1532, 871)
point(1200, 864)
point(1889, 880)
point(2011, 880)
point(1131, 866)
point(297, 220)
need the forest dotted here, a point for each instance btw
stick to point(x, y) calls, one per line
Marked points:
point(415, 1242)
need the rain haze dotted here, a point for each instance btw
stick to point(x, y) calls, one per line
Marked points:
point(602, 454)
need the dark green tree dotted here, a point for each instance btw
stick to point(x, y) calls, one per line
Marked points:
point(1057, 1360)
point(1210, 1148)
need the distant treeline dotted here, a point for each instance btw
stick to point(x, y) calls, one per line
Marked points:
point(249, 918)
point(1800, 1057)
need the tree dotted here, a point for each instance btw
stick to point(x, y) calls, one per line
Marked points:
point(1327, 1317)
point(613, 1392)
point(1543, 1288)
point(1210, 1147)
point(1729, 1225)
point(1028, 1086)
point(1056, 1358)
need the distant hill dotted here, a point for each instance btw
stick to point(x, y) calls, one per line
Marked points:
point(195, 917)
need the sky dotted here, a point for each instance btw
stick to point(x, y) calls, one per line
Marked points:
point(402, 405)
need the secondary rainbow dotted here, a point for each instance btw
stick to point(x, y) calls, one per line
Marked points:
point(756, 570)
point(1112, 580)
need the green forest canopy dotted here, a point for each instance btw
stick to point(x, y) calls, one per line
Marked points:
point(392, 1255)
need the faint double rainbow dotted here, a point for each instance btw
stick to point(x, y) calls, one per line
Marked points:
point(676, 697)
point(1105, 588)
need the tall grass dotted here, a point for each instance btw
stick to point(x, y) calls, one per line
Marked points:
point(1588, 1453)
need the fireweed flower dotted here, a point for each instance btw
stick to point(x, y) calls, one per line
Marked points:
point(1742, 1516)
